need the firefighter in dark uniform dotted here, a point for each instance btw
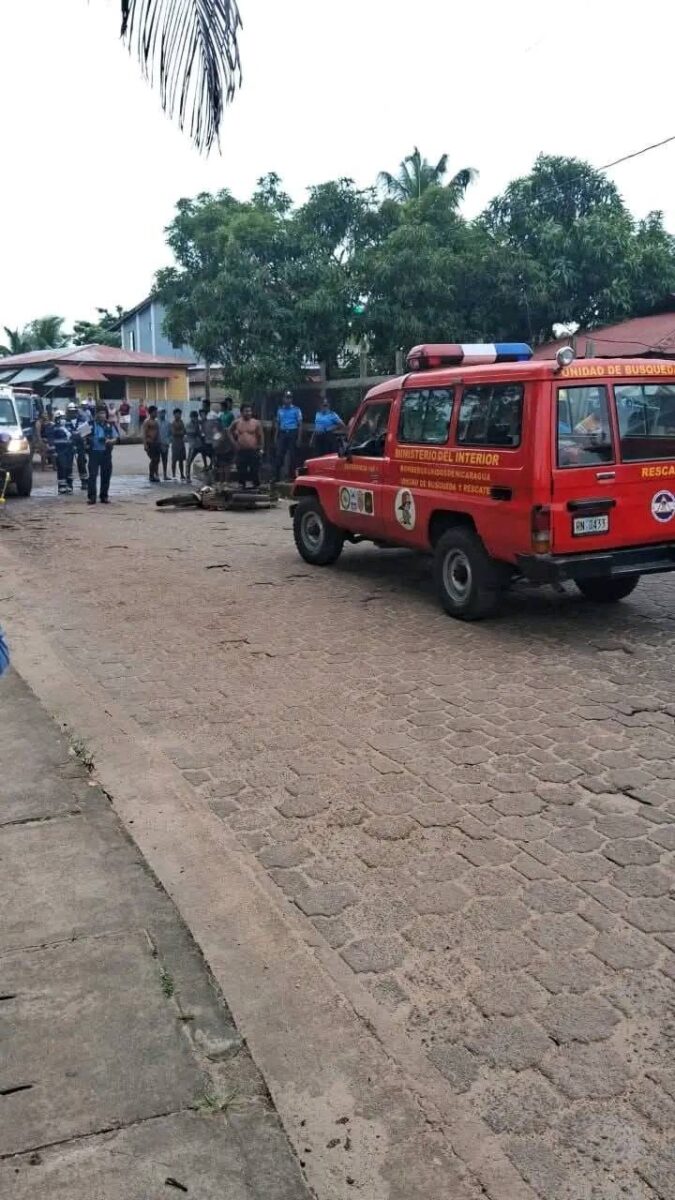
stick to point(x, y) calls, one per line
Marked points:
point(78, 423)
point(60, 437)
point(101, 441)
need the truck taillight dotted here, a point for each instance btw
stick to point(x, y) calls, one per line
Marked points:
point(541, 529)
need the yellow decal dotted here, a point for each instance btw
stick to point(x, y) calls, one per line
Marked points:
point(658, 471)
point(621, 370)
point(366, 468)
point(469, 458)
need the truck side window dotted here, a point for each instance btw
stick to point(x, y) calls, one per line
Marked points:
point(370, 433)
point(583, 430)
point(646, 421)
point(491, 415)
point(425, 416)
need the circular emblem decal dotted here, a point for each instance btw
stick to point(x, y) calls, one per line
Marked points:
point(404, 508)
point(344, 499)
point(663, 506)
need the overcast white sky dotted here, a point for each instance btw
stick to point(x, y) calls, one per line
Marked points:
point(90, 169)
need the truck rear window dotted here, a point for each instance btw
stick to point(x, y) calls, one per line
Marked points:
point(491, 415)
point(425, 416)
point(646, 415)
point(583, 427)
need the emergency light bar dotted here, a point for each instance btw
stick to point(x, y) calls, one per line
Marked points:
point(422, 358)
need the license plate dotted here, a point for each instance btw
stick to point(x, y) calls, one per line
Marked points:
point(588, 525)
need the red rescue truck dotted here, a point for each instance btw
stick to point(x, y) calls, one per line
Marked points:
point(504, 467)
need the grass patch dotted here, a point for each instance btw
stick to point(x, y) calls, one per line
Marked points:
point(211, 1104)
point(168, 985)
point(81, 750)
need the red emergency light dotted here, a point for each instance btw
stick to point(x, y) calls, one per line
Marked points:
point(439, 354)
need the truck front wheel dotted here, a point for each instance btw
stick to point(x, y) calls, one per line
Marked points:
point(318, 541)
point(23, 478)
point(466, 578)
point(608, 591)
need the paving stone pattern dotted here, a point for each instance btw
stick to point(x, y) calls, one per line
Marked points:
point(480, 820)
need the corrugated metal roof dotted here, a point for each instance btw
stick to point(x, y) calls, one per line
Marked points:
point(139, 372)
point(33, 374)
point(102, 356)
point(640, 337)
point(82, 374)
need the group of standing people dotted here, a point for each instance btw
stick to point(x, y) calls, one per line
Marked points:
point(220, 438)
point(223, 438)
point(85, 436)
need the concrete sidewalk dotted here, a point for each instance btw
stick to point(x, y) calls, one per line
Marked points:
point(122, 1075)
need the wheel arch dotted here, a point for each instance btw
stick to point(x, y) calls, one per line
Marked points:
point(443, 519)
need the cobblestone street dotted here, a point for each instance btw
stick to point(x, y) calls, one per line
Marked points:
point(477, 820)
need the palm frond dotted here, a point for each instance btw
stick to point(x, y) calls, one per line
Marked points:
point(461, 181)
point(190, 48)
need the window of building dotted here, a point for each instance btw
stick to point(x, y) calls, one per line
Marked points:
point(132, 339)
point(425, 416)
point(583, 427)
point(491, 414)
point(369, 435)
point(646, 415)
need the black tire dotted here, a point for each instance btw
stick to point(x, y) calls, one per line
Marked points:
point(608, 591)
point(23, 480)
point(182, 500)
point(318, 541)
point(467, 580)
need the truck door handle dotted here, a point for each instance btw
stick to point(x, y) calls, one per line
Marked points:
point(501, 493)
point(602, 476)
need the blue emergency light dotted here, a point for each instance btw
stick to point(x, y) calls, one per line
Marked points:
point(422, 358)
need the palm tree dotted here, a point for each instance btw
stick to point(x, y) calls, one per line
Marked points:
point(18, 342)
point(190, 48)
point(46, 333)
point(416, 174)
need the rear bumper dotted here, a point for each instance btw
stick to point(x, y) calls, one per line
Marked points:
point(634, 560)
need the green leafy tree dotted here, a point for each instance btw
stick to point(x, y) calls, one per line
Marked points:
point(259, 287)
point(583, 256)
point(228, 295)
point(336, 222)
point(101, 332)
point(415, 174)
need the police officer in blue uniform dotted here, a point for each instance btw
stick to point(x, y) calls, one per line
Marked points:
point(101, 441)
point(288, 427)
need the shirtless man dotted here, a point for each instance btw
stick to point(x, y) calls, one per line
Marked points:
point(247, 438)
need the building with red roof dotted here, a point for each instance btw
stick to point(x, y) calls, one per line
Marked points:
point(639, 337)
point(100, 372)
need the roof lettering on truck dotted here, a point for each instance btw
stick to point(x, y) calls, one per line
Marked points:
point(597, 370)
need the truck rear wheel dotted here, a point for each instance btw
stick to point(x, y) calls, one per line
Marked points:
point(466, 578)
point(318, 541)
point(608, 591)
point(23, 478)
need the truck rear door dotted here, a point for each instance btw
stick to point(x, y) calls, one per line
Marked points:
point(585, 510)
point(614, 465)
point(646, 471)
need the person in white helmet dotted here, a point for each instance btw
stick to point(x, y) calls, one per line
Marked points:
point(79, 427)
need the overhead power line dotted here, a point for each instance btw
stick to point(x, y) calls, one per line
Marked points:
point(637, 153)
